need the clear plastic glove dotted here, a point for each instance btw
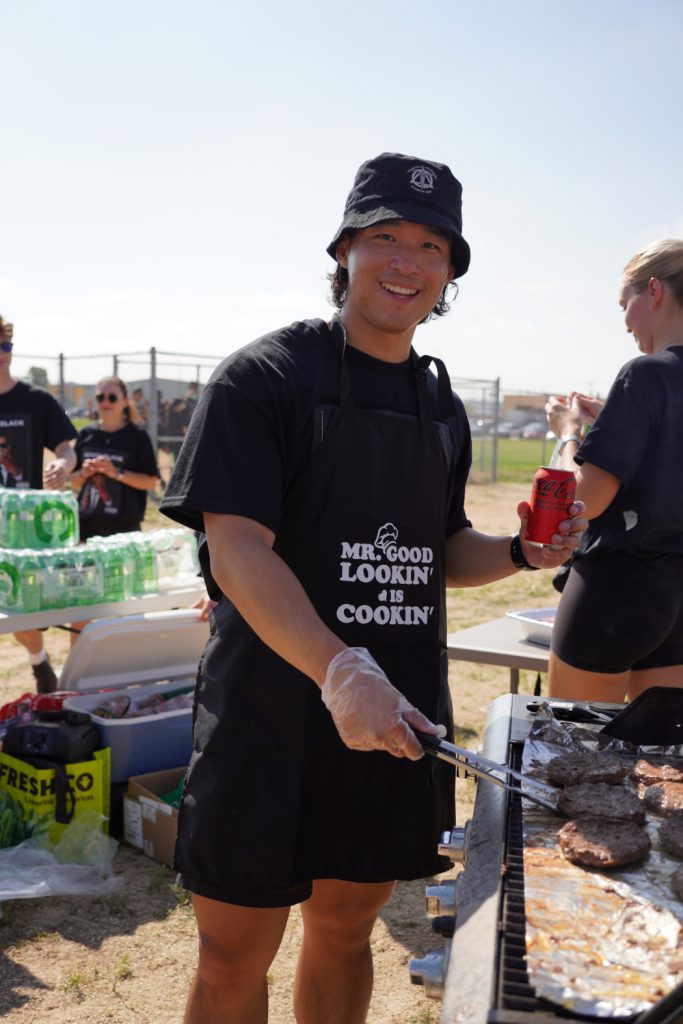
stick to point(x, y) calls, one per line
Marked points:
point(370, 713)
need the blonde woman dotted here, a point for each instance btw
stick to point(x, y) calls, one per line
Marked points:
point(619, 627)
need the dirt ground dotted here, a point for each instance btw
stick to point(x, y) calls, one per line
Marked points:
point(129, 958)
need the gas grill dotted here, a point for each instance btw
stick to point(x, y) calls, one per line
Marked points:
point(481, 974)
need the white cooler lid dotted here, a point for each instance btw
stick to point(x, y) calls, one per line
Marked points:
point(133, 649)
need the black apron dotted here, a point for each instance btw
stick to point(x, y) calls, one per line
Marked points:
point(273, 797)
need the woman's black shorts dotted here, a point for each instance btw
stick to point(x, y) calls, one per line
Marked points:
point(621, 611)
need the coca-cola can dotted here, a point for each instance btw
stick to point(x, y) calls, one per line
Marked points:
point(552, 493)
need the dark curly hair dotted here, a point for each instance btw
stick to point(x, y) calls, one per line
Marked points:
point(339, 283)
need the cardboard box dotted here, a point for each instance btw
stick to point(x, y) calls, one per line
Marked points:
point(148, 822)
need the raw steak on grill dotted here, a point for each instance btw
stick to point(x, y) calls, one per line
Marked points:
point(599, 843)
point(600, 800)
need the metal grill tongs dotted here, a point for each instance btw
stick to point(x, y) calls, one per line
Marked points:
point(474, 764)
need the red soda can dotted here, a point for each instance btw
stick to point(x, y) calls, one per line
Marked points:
point(552, 493)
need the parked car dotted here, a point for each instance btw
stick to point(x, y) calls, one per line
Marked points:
point(536, 430)
point(508, 428)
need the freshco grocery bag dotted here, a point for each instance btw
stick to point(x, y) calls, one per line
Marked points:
point(34, 800)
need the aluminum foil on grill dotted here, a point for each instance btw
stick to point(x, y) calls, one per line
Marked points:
point(598, 943)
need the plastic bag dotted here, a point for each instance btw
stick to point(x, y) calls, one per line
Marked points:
point(78, 864)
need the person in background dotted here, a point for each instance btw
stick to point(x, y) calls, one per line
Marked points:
point(619, 626)
point(191, 396)
point(327, 464)
point(116, 467)
point(175, 427)
point(142, 406)
point(31, 420)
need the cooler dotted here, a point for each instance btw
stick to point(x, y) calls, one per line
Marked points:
point(156, 652)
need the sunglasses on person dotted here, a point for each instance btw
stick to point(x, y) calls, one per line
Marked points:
point(111, 396)
point(3, 444)
point(6, 346)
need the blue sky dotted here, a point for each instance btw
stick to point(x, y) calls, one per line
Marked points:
point(172, 172)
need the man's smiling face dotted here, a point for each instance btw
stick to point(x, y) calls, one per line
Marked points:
point(397, 272)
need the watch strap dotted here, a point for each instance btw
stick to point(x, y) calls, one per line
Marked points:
point(518, 557)
point(565, 439)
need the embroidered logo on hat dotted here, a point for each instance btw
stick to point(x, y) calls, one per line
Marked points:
point(422, 179)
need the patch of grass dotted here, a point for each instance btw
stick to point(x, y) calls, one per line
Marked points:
point(72, 985)
point(424, 1016)
point(518, 458)
point(158, 879)
point(45, 936)
point(116, 904)
point(183, 901)
point(122, 970)
point(183, 896)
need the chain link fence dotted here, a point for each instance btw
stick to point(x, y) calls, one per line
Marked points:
point(165, 385)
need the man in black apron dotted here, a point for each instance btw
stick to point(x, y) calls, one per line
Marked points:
point(327, 464)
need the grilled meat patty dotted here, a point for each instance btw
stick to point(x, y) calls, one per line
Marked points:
point(671, 835)
point(593, 799)
point(656, 768)
point(601, 843)
point(585, 766)
point(664, 797)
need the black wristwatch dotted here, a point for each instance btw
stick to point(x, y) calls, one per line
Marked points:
point(518, 557)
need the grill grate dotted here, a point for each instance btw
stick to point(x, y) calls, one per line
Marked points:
point(515, 992)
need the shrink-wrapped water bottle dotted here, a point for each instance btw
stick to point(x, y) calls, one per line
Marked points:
point(50, 589)
point(89, 565)
point(176, 552)
point(146, 578)
point(29, 513)
point(75, 577)
point(38, 519)
point(55, 519)
point(31, 584)
point(13, 531)
point(118, 567)
point(10, 592)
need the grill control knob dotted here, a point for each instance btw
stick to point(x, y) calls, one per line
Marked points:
point(454, 844)
point(430, 971)
point(441, 898)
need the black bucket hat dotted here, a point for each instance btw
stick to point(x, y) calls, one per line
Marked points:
point(398, 187)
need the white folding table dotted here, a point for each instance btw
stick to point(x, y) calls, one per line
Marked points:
point(499, 642)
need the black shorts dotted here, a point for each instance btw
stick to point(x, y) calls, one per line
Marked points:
point(263, 896)
point(621, 611)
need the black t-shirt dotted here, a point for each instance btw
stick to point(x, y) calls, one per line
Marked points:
point(31, 419)
point(638, 437)
point(263, 412)
point(128, 448)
